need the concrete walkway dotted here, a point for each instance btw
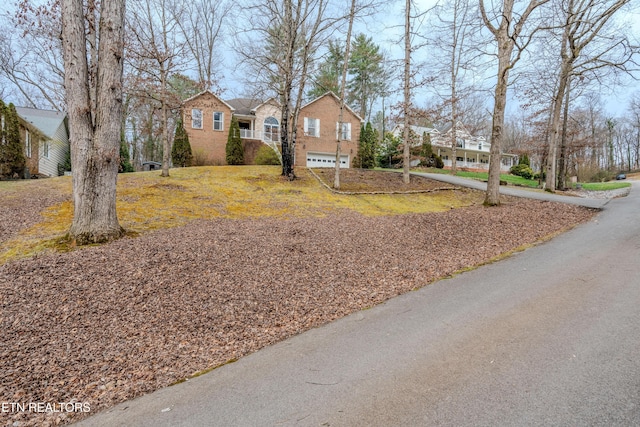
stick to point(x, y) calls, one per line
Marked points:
point(519, 191)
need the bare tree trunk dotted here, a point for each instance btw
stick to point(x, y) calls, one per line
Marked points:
point(345, 66)
point(95, 150)
point(500, 96)
point(289, 45)
point(406, 155)
point(565, 69)
point(562, 164)
point(166, 142)
point(506, 36)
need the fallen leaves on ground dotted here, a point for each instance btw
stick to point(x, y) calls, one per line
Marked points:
point(108, 323)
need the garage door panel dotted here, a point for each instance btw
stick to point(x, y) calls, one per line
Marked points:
point(326, 160)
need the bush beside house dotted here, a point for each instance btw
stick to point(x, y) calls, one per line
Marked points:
point(234, 150)
point(12, 159)
point(266, 156)
point(181, 154)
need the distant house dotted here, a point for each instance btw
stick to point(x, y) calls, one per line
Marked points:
point(207, 119)
point(472, 152)
point(45, 134)
point(318, 130)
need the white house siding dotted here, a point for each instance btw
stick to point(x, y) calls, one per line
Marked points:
point(52, 126)
point(58, 149)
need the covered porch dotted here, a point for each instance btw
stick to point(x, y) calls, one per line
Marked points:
point(474, 159)
point(269, 132)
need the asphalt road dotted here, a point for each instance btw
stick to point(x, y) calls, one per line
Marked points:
point(547, 337)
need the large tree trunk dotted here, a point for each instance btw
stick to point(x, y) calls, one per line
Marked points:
point(95, 151)
point(500, 96)
point(506, 36)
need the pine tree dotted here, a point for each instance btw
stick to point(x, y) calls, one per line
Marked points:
point(181, 154)
point(369, 147)
point(427, 150)
point(12, 160)
point(125, 158)
point(524, 160)
point(357, 160)
point(235, 152)
point(429, 158)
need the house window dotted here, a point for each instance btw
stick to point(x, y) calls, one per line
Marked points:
point(271, 129)
point(196, 118)
point(45, 150)
point(27, 143)
point(459, 142)
point(218, 121)
point(312, 127)
point(346, 131)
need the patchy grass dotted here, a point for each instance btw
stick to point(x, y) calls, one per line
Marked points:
point(604, 186)
point(146, 202)
point(483, 176)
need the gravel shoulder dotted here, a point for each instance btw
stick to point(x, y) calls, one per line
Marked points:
point(108, 323)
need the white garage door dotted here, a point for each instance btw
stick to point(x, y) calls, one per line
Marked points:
point(324, 160)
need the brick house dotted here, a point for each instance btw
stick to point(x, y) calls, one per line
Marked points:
point(317, 133)
point(207, 119)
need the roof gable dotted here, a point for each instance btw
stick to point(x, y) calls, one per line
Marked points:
point(48, 122)
point(207, 93)
point(336, 99)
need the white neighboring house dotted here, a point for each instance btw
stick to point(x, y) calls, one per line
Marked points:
point(472, 152)
point(54, 146)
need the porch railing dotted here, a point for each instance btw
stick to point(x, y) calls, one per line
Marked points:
point(259, 135)
point(475, 165)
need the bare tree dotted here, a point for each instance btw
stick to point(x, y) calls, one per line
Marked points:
point(94, 132)
point(506, 25)
point(343, 85)
point(585, 48)
point(277, 50)
point(406, 90)
point(156, 51)
point(453, 35)
point(31, 55)
point(202, 26)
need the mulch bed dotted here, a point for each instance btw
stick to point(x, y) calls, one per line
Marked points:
point(369, 181)
point(105, 324)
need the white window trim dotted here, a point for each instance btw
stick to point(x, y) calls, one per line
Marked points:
point(315, 125)
point(195, 120)
point(221, 121)
point(346, 131)
point(27, 143)
point(45, 149)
